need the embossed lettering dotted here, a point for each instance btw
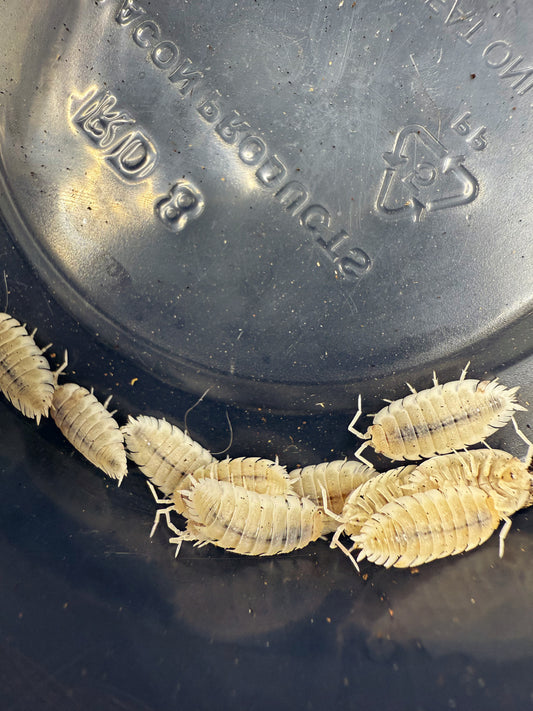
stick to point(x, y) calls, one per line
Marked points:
point(98, 118)
point(350, 264)
point(497, 59)
point(468, 35)
point(477, 140)
point(271, 172)
point(293, 196)
point(457, 14)
point(183, 203)
point(335, 243)
point(129, 12)
point(230, 127)
point(185, 75)
point(523, 74)
point(252, 149)
point(433, 4)
point(356, 265)
point(209, 109)
point(461, 125)
point(134, 157)
point(165, 54)
point(145, 33)
point(314, 217)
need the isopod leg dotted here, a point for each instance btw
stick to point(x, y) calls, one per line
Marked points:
point(61, 368)
point(178, 541)
point(347, 553)
point(166, 514)
point(411, 388)
point(358, 456)
point(357, 415)
point(154, 494)
point(327, 510)
point(524, 438)
point(503, 533)
point(464, 371)
point(338, 533)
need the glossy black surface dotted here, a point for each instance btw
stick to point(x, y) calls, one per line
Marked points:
point(96, 615)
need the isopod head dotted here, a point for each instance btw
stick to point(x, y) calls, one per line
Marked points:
point(511, 490)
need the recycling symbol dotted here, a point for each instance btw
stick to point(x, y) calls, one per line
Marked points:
point(422, 175)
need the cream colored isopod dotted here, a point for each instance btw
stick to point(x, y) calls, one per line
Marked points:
point(90, 428)
point(163, 452)
point(368, 498)
point(501, 475)
point(262, 475)
point(25, 376)
point(245, 522)
point(432, 524)
point(439, 420)
point(338, 478)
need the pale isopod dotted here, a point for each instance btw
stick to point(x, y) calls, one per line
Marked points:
point(504, 477)
point(25, 376)
point(262, 475)
point(439, 420)
point(245, 522)
point(90, 428)
point(339, 478)
point(432, 524)
point(370, 497)
point(163, 452)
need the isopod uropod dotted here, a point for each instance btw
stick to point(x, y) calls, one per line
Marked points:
point(163, 452)
point(245, 522)
point(439, 420)
point(338, 478)
point(90, 428)
point(261, 475)
point(432, 524)
point(25, 376)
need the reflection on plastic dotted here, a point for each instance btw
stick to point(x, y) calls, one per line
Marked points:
point(475, 604)
point(255, 598)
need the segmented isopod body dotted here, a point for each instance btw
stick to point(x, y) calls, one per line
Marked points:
point(504, 477)
point(254, 473)
point(432, 524)
point(439, 420)
point(370, 497)
point(338, 478)
point(25, 376)
point(90, 428)
point(163, 452)
point(248, 523)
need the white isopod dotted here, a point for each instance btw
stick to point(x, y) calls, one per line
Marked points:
point(365, 500)
point(338, 478)
point(244, 521)
point(439, 420)
point(501, 475)
point(25, 376)
point(432, 524)
point(262, 475)
point(90, 428)
point(163, 452)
